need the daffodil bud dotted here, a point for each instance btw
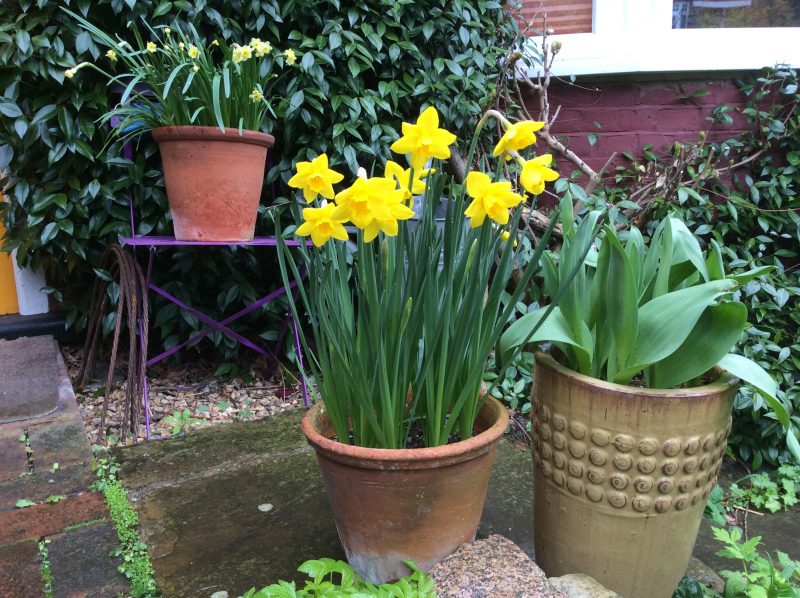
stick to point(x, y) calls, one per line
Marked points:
point(556, 46)
point(385, 255)
point(471, 255)
point(406, 313)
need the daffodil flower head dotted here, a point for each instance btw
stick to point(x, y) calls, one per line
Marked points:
point(291, 57)
point(518, 136)
point(241, 54)
point(167, 31)
point(395, 171)
point(315, 178)
point(111, 55)
point(215, 42)
point(181, 45)
point(195, 68)
point(151, 47)
point(424, 140)
point(193, 52)
point(505, 236)
point(535, 173)
point(261, 48)
point(254, 42)
point(70, 73)
point(373, 205)
point(256, 95)
point(321, 225)
point(489, 199)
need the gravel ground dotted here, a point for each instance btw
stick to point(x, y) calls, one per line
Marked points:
point(184, 397)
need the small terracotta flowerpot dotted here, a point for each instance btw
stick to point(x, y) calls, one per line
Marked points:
point(622, 474)
point(392, 505)
point(213, 180)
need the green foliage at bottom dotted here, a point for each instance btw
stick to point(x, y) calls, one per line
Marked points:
point(330, 579)
point(136, 565)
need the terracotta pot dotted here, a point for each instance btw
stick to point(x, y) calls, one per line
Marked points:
point(392, 505)
point(621, 476)
point(213, 180)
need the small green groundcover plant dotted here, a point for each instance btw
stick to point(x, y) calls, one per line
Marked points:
point(661, 313)
point(759, 576)
point(135, 565)
point(330, 579)
point(173, 77)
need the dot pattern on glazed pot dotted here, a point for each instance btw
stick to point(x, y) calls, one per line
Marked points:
point(641, 474)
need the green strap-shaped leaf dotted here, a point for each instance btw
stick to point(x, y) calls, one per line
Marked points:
point(715, 333)
point(554, 329)
point(622, 303)
point(666, 321)
point(714, 264)
point(750, 372)
point(686, 247)
point(746, 277)
point(215, 84)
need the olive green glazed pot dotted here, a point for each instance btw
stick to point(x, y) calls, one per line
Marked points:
point(622, 474)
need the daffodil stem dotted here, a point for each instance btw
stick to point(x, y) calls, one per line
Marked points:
point(491, 113)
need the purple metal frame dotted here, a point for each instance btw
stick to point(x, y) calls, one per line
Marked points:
point(213, 325)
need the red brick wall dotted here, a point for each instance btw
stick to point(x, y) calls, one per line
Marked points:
point(563, 16)
point(633, 114)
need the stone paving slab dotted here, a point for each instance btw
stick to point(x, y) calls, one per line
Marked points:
point(28, 378)
point(20, 574)
point(198, 497)
point(48, 519)
point(81, 564)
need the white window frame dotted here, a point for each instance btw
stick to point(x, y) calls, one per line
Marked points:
point(636, 36)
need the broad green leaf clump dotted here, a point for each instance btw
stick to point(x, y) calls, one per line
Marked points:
point(662, 312)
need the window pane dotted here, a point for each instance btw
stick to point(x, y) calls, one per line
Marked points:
point(698, 14)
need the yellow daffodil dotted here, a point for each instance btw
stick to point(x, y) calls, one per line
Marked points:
point(111, 55)
point(321, 224)
point(489, 199)
point(254, 42)
point(424, 140)
point(535, 173)
point(241, 53)
point(291, 57)
point(505, 236)
point(70, 73)
point(195, 68)
point(256, 95)
point(393, 170)
point(261, 48)
point(151, 47)
point(193, 52)
point(373, 205)
point(215, 42)
point(315, 178)
point(518, 136)
point(167, 31)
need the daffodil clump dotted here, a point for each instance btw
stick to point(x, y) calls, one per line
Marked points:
point(403, 307)
point(173, 76)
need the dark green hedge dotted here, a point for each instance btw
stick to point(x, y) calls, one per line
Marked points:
point(365, 66)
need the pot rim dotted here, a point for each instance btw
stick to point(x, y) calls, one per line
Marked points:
point(197, 133)
point(724, 382)
point(415, 458)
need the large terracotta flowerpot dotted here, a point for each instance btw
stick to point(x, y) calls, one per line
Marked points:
point(621, 476)
point(213, 180)
point(392, 505)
